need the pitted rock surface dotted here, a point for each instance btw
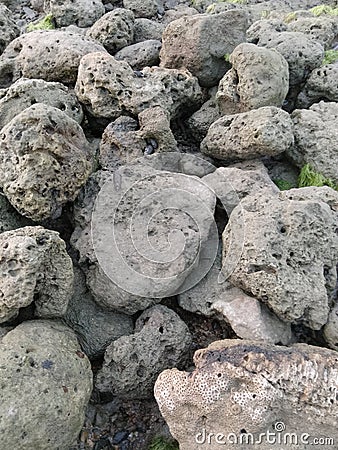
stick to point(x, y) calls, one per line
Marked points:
point(45, 159)
point(82, 13)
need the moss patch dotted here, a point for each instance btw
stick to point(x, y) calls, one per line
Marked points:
point(330, 57)
point(324, 9)
point(160, 443)
point(45, 24)
point(309, 177)
point(283, 185)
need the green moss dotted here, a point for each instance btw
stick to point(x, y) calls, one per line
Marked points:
point(330, 57)
point(290, 17)
point(324, 9)
point(227, 57)
point(45, 24)
point(160, 443)
point(283, 185)
point(265, 14)
point(308, 177)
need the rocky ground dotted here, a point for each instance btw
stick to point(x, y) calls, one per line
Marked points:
point(168, 222)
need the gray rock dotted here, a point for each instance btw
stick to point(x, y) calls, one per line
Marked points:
point(264, 27)
point(288, 246)
point(82, 13)
point(322, 29)
point(250, 319)
point(302, 53)
point(45, 159)
point(201, 120)
point(316, 138)
point(143, 54)
point(265, 131)
point(259, 77)
point(155, 129)
point(244, 385)
point(114, 30)
point(25, 92)
point(8, 28)
point(52, 55)
point(330, 330)
point(110, 88)
point(180, 10)
point(94, 326)
point(10, 219)
point(146, 29)
point(321, 85)
point(142, 8)
point(34, 267)
point(199, 43)
point(46, 384)
point(132, 363)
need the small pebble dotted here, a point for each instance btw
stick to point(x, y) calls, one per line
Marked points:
point(153, 143)
point(149, 150)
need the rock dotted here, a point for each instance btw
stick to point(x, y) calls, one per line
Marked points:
point(34, 267)
point(259, 77)
point(8, 28)
point(114, 30)
point(95, 327)
point(320, 29)
point(52, 55)
point(288, 248)
point(330, 330)
point(260, 388)
point(199, 43)
point(82, 13)
point(316, 138)
point(250, 319)
point(25, 92)
point(201, 120)
point(142, 8)
point(143, 54)
point(233, 183)
point(133, 362)
point(146, 29)
point(10, 219)
point(177, 12)
point(264, 28)
point(46, 384)
point(155, 129)
point(265, 131)
point(110, 88)
point(143, 206)
point(321, 85)
point(44, 161)
point(302, 53)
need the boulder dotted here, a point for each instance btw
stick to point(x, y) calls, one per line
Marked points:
point(289, 252)
point(45, 159)
point(316, 138)
point(114, 30)
point(258, 77)
point(330, 330)
point(8, 28)
point(52, 55)
point(145, 29)
point(321, 29)
point(110, 88)
point(199, 43)
point(35, 267)
point(143, 8)
point(321, 85)
point(82, 13)
point(46, 382)
point(265, 131)
point(143, 54)
point(247, 394)
point(132, 363)
point(199, 122)
point(25, 92)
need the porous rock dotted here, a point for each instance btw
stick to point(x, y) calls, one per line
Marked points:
point(34, 267)
point(142, 8)
point(114, 30)
point(321, 85)
point(199, 43)
point(302, 53)
point(201, 120)
point(258, 77)
point(82, 13)
point(132, 363)
point(145, 29)
point(52, 55)
point(245, 385)
point(143, 54)
point(45, 159)
point(25, 92)
point(265, 131)
point(330, 330)
point(178, 11)
point(8, 28)
point(321, 29)
point(316, 138)
point(288, 248)
point(110, 88)
point(10, 219)
point(46, 384)
point(94, 326)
